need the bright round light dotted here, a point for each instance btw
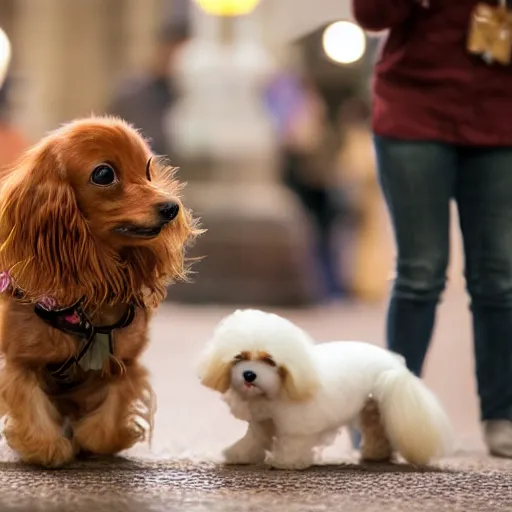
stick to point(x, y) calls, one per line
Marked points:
point(5, 55)
point(344, 42)
point(228, 7)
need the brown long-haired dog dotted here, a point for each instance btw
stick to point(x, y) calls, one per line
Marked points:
point(91, 233)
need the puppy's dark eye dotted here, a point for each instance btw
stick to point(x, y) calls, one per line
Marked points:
point(148, 170)
point(268, 360)
point(244, 356)
point(103, 175)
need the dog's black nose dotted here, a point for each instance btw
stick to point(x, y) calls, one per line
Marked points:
point(168, 211)
point(249, 376)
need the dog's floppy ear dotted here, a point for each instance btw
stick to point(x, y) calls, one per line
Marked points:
point(300, 380)
point(217, 378)
point(213, 372)
point(45, 241)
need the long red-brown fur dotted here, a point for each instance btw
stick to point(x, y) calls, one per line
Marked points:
point(57, 240)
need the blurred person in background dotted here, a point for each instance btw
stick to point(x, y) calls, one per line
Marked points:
point(372, 251)
point(308, 149)
point(12, 141)
point(442, 125)
point(145, 98)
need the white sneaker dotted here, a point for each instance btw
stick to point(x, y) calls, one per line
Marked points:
point(498, 437)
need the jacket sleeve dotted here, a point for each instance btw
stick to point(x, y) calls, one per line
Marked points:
point(376, 15)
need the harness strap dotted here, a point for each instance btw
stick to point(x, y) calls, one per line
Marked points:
point(97, 341)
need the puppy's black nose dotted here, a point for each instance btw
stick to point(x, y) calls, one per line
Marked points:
point(168, 211)
point(249, 376)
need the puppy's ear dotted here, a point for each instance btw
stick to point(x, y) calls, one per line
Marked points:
point(214, 373)
point(45, 241)
point(299, 383)
point(218, 378)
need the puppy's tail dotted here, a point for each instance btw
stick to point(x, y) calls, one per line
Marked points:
point(415, 422)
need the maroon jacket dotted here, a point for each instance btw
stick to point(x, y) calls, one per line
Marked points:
point(426, 85)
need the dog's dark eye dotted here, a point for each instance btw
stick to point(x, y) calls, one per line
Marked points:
point(241, 357)
point(103, 175)
point(268, 360)
point(148, 170)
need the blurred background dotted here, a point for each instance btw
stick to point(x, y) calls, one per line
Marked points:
point(263, 104)
point(265, 107)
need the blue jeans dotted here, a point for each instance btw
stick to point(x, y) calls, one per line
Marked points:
point(419, 179)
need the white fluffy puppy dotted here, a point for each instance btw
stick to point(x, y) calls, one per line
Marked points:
point(296, 395)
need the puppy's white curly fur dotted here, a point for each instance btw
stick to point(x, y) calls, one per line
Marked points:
point(314, 391)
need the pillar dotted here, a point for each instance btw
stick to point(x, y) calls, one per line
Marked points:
point(258, 245)
point(71, 53)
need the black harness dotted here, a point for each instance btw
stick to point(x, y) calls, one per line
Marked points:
point(96, 342)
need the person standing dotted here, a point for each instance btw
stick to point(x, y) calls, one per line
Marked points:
point(308, 147)
point(442, 123)
point(144, 99)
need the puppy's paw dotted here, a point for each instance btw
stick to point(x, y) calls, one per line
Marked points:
point(291, 464)
point(49, 451)
point(101, 441)
point(237, 454)
point(53, 455)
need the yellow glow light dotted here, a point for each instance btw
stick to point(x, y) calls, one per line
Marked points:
point(228, 7)
point(5, 55)
point(344, 42)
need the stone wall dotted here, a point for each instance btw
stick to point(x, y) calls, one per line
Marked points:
point(69, 55)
